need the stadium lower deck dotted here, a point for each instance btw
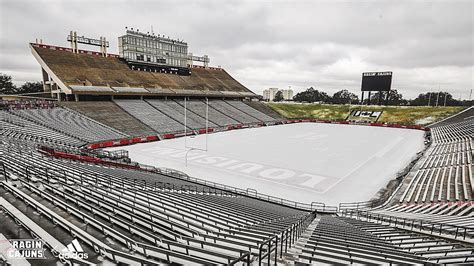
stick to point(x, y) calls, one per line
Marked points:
point(55, 189)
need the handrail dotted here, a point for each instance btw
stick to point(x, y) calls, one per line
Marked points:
point(245, 192)
point(244, 258)
point(270, 247)
point(4, 171)
point(459, 231)
point(287, 236)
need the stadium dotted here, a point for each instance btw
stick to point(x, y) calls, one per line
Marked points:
point(142, 159)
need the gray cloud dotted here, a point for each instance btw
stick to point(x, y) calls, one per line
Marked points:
point(325, 44)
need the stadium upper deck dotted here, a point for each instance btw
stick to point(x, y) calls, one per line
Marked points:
point(87, 73)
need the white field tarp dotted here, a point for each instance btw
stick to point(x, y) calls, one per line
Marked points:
point(305, 162)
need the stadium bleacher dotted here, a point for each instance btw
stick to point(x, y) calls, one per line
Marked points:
point(200, 108)
point(269, 113)
point(123, 213)
point(344, 240)
point(150, 116)
point(176, 111)
point(108, 113)
point(445, 173)
point(238, 114)
point(70, 123)
point(55, 187)
point(250, 111)
point(167, 223)
point(90, 74)
point(23, 129)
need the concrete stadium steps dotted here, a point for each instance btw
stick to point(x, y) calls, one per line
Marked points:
point(108, 113)
point(75, 69)
point(70, 123)
point(150, 116)
point(199, 108)
point(270, 114)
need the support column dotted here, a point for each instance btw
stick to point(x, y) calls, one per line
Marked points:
point(386, 98)
point(380, 97)
point(368, 103)
point(76, 97)
point(362, 98)
point(72, 41)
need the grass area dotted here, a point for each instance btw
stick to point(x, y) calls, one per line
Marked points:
point(408, 115)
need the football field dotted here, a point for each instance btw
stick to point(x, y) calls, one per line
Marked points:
point(306, 162)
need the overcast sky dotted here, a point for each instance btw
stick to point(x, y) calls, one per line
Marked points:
point(324, 44)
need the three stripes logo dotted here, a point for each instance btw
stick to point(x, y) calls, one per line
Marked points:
point(73, 251)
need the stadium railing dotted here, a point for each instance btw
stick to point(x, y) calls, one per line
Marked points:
point(413, 224)
point(289, 237)
point(313, 206)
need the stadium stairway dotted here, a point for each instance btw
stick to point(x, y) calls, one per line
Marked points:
point(291, 255)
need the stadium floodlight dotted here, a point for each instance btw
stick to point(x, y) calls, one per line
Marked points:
point(189, 148)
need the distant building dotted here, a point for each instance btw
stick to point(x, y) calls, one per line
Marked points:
point(269, 94)
point(287, 95)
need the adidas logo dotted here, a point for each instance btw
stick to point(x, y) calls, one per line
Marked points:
point(73, 251)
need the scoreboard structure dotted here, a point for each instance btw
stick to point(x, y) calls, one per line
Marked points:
point(376, 81)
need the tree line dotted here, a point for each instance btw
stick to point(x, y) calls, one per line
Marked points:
point(7, 86)
point(312, 95)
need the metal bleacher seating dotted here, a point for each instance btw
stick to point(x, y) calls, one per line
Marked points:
point(346, 240)
point(150, 116)
point(176, 111)
point(70, 123)
point(199, 108)
point(233, 112)
point(129, 214)
point(443, 182)
point(20, 128)
point(251, 111)
point(174, 221)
